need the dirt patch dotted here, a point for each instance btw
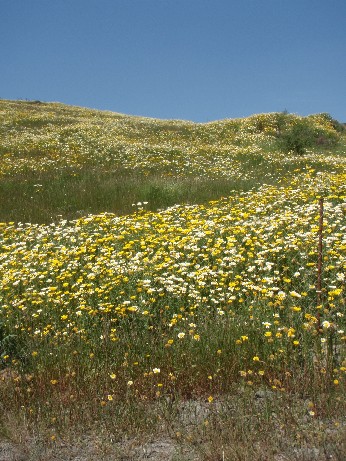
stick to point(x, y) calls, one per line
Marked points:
point(11, 452)
point(262, 426)
point(92, 449)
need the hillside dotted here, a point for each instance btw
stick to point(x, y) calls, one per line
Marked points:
point(209, 318)
point(63, 161)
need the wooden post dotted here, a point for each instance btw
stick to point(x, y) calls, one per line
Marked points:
point(320, 263)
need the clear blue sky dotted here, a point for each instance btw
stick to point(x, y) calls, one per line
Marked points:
point(197, 60)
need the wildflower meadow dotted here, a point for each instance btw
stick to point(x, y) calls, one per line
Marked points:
point(146, 265)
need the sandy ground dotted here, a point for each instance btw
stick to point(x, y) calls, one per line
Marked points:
point(160, 447)
point(90, 449)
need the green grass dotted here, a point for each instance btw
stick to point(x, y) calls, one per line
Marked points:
point(46, 198)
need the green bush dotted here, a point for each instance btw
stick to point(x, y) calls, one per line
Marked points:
point(303, 134)
point(337, 126)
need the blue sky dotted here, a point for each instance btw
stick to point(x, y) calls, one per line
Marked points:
point(197, 60)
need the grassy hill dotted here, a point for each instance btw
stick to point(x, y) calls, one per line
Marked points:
point(63, 161)
point(210, 321)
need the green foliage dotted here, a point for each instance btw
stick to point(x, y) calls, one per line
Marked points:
point(8, 345)
point(305, 133)
point(337, 126)
point(298, 138)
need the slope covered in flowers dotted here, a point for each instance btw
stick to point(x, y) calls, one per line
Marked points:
point(224, 283)
point(59, 161)
point(187, 300)
point(50, 137)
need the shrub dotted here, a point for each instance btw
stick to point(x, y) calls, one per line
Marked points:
point(297, 138)
point(304, 134)
point(335, 125)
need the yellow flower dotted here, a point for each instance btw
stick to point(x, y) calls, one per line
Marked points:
point(290, 332)
point(210, 399)
point(268, 334)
